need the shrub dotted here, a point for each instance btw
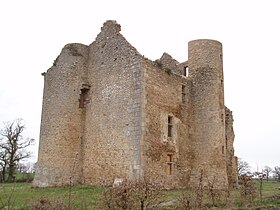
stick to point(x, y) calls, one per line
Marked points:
point(45, 204)
point(158, 62)
point(247, 189)
point(168, 71)
point(139, 194)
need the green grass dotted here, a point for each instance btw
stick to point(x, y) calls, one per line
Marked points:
point(23, 196)
point(22, 176)
point(271, 194)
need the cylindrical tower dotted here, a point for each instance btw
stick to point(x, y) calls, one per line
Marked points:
point(208, 112)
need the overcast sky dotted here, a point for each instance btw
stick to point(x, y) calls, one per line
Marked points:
point(33, 32)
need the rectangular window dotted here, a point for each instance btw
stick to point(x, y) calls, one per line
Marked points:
point(83, 97)
point(170, 126)
point(169, 164)
point(81, 100)
point(186, 71)
point(183, 93)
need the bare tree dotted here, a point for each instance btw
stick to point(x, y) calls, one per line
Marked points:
point(243, 167)
point(13, 147)
point(277, 172)
point(267, 171)
point(3, 164)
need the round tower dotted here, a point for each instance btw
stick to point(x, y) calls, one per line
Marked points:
point(208, 110)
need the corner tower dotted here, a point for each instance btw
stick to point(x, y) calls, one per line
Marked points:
point(61, 120)
point(206, 70)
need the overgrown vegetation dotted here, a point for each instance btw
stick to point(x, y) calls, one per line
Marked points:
point(168, 71)
point(147, 193)
point(160, 65)
point(141, 195)
point(247, 189)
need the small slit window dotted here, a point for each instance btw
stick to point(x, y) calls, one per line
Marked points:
point(183, 93)
point(186, 71)
point(83, 97)
point(170, 126)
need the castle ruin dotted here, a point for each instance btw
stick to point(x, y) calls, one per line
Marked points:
point(109, 112)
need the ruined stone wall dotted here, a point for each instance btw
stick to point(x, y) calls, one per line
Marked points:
point(113, 116)
point(231, 159)
point(169, 64)
point(186, 148)
point(205, 70)
point(163, 99)
point(61, 119)
point(110, 113)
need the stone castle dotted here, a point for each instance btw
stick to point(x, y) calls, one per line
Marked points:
point(109, 112)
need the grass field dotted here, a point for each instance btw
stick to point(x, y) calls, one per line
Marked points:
point(23, 196)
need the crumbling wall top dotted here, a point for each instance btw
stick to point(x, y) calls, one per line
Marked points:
point(229, 115)
point(111, 26)
point(170, 63)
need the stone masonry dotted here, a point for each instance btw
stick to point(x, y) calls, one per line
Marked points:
point(108, 112)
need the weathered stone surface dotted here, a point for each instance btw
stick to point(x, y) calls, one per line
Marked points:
point(110, 113)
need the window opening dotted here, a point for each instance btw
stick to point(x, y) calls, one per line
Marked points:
point(183, 93)
point(186, 71)
point(169, 164)
point(222, 118)
point(170, 126)
point(226, 142)
point(83, 96)
point(223, 149)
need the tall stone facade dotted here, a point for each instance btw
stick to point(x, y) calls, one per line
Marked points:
point(109, 113)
